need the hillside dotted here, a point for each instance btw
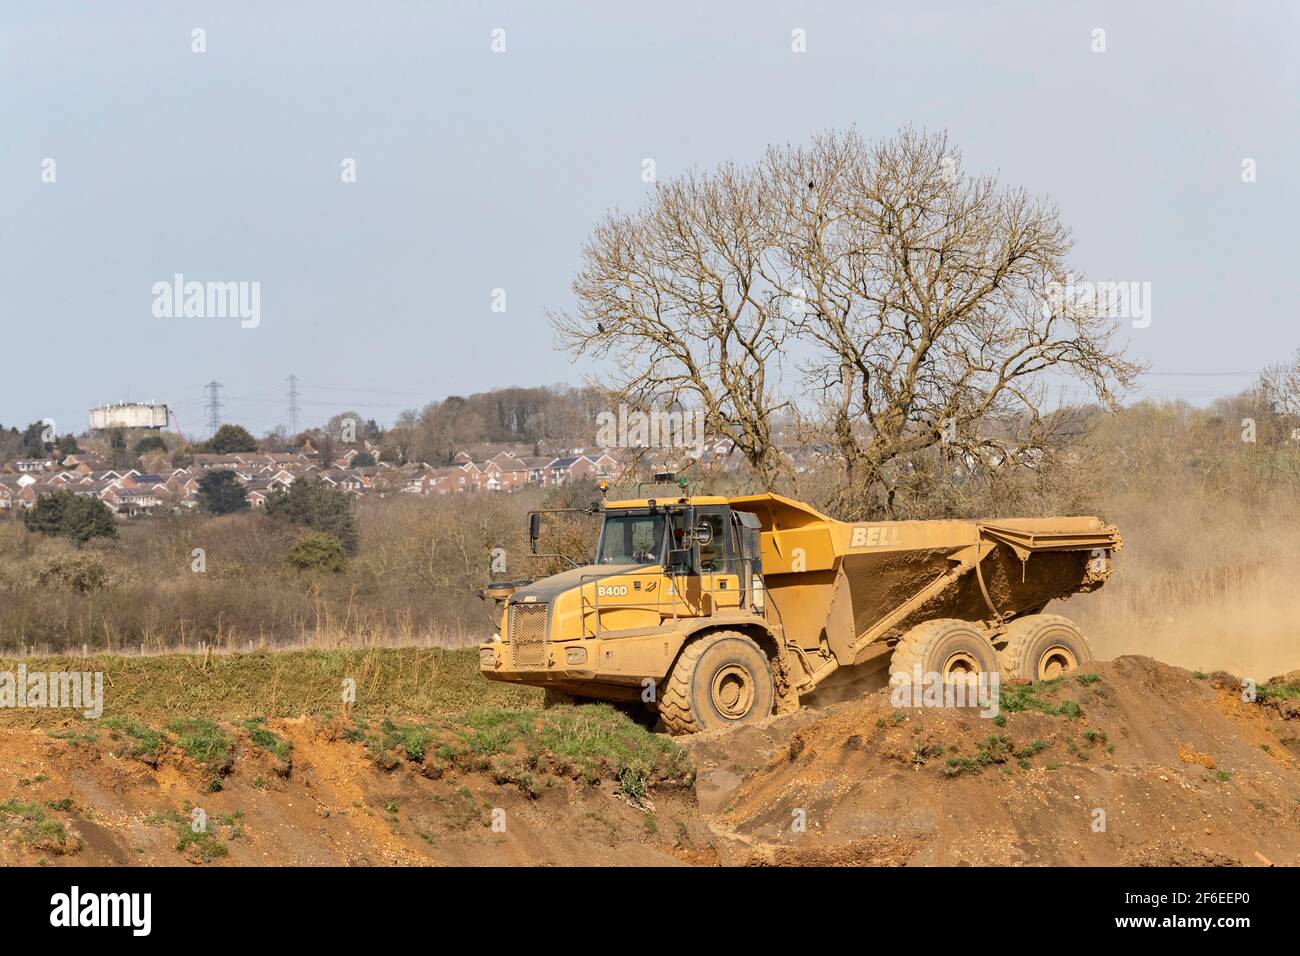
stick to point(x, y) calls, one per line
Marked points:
point(1185, 772)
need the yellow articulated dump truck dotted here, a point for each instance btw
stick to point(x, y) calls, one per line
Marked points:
point(718, 611)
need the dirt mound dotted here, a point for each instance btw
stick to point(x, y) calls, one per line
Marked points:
point(1129, 762)
point(312, 792)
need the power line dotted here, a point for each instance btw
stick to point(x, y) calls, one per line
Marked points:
point(308, 401)
point(381, 391)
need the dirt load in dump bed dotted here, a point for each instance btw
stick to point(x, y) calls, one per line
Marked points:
point(1184, 772)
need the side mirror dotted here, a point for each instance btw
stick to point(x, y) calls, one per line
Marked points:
point(534, 530)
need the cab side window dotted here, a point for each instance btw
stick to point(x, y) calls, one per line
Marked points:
point(716, 556)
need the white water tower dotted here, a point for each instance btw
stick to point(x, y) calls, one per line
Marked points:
point(129, 415)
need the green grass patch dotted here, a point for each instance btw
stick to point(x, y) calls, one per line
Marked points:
point(1028, 697)
point(146, 742)
point(203, 741)
point(263, 737)
point(994, 749)
point(410, 739)
point(235, 822)
point(72, 737)
point(1031, 750)
point(923, 752)
point(464, 810)
point(26, 824)
point(203, 844)
point(1278, 690)
point(601, 741)
point(528, 747)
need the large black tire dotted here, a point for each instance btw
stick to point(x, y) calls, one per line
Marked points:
point(956, 649)
point(1043, 647)
point(722, 679)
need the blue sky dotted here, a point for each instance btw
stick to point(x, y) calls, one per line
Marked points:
point(478, 171)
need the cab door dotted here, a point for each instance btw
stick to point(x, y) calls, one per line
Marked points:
point(720, 571)
point(680, 586)
point(635, 596)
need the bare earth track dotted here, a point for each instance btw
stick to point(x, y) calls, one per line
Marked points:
point(1184, 772)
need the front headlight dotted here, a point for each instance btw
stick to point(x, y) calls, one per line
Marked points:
point(487, 655)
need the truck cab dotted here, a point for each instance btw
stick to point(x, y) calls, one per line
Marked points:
point(664, 571)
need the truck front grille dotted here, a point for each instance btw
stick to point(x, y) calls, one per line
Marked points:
point(528, 634)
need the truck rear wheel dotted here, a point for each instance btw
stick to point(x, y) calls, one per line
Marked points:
point(720, 680)
point(1043, 647)
point(957, 650)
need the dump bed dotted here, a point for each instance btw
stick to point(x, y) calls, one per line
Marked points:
point(852, 584)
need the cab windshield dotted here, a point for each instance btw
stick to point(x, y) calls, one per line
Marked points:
point(632, 539)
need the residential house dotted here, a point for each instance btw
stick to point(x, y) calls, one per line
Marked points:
point(31, 465)
point(132, 500)
point(562, 471)
point(536, 468)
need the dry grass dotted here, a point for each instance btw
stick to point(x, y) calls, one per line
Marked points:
point(413, 582)
point(389, 682)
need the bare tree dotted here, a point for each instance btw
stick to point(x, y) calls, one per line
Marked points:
point(677, 301)
point(1278, 388)
point(923, 304)
point(1268, 414)
point(935, 303)
point(568, 420)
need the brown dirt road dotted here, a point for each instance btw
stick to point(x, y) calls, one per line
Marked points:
point(1184, 772)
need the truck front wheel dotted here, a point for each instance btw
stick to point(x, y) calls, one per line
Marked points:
point(720, 680)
